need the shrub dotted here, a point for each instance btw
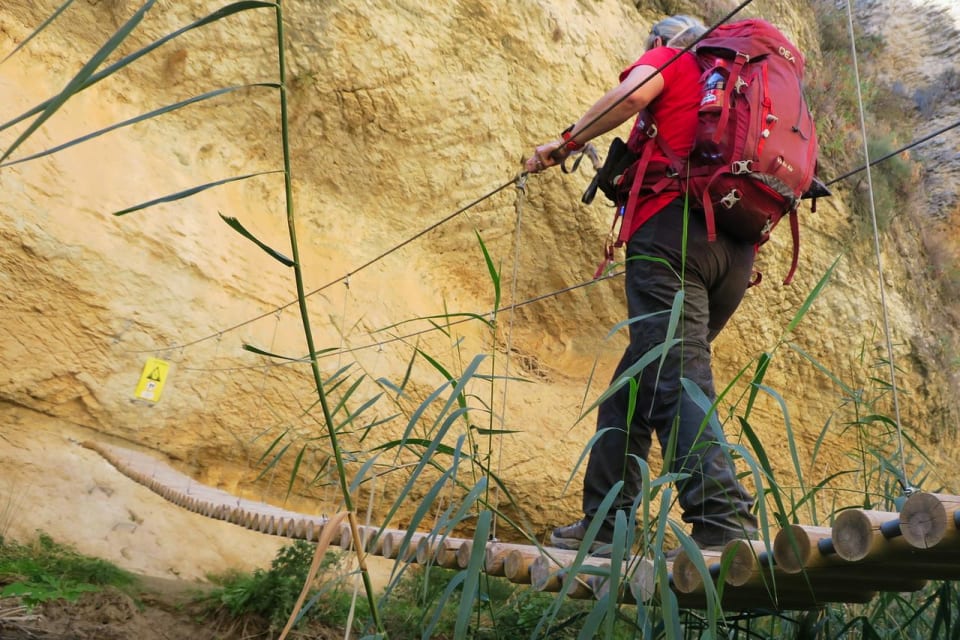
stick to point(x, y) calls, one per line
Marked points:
point(272, 594)
point(45, 570)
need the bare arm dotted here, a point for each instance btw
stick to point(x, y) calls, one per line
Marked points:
point(632, 101)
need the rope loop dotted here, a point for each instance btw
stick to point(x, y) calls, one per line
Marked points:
point(520, 182)
point(884, 305)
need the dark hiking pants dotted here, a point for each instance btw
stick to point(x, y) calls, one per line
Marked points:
point(716, 277)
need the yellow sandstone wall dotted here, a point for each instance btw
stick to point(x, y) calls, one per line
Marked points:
point(400, 114)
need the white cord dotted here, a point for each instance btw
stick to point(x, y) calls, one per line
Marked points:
point(907, 489)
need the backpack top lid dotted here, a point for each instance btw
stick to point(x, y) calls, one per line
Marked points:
point(754, 37)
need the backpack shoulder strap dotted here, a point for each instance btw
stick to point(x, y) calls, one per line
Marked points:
point(626, 221)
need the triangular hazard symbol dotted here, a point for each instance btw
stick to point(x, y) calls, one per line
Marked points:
point(155, 374)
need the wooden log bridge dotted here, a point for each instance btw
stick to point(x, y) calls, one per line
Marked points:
point(803, 567)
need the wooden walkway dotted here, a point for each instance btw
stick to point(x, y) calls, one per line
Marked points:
point(804, 567)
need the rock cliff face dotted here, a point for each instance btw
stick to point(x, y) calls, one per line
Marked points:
point(401, 113)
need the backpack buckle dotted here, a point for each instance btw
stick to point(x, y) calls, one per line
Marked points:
point(651, 131)
point(730, 199)
point(739, 167)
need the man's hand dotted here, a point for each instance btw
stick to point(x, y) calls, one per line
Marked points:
point(545, 156)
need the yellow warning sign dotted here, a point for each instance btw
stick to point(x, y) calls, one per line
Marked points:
point(152, 379)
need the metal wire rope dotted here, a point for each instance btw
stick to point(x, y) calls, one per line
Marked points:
point(372, 261)
point(407, 336)
point(342, 278)
point(513, 306)
point(518, 208)
point(346, 277)
point(674, 58)
point(917, 142)
point(904, 484)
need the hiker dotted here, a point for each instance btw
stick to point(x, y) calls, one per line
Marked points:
point(716, 277)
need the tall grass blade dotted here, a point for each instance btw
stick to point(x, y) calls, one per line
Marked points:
point(811, 495)
point(762, 364)
point(425, 458)
point(270, 354)
point(629, 321)
point(361, 474)
point(419, 413)
point(36, 31)
point(916, 447)
point(295, 471)
point(618, 551)
point(359, 411)
point(495, 432)
point(546, 621)
point(847, 390)
point(668, 600)
point(446, 317)
point(407, 373)
point(706, 404)
point(452, 586)
point(596, 617)
point(82, 76)
point(273, 445)
point(821, 437)
point(471, 582)
point(632, 394)
point(456, 394)
point(423, 508)
point(469, 501)
point(676, 311)
point(583, 454)
point(814, 294)
point(126, 60)
point(180, 195)
point(760, 473)
point(345, 398)
point(421, 442)
point(235, 224)
point(337, 378)
point(640, 509)
point(633, 370)
point(132, 121)
point(391, 386)
point(436, 364)
point(943, 618)
point(671, 612)
point(492, 270)
point(273, 462)
point(791, 438)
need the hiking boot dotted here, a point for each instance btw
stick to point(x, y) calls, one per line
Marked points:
point(571, 536)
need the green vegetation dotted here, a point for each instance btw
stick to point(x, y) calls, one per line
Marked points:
point(503, 610)
point(271, 594)
point(45, 570)
point(836, 93)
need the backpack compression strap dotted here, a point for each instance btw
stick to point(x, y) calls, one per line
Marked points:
point(734, 82)
point(655, 183)
point(795, 232)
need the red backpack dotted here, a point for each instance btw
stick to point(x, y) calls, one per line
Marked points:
point(755, 149)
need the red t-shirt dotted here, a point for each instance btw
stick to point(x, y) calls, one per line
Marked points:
point(675, 113)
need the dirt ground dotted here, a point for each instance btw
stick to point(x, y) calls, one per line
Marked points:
point(51, 484)
point(159, 609)
point(164, 609)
